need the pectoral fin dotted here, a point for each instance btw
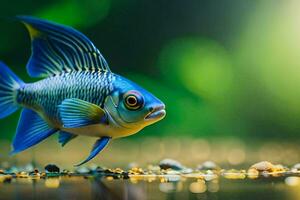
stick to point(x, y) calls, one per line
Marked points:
point(76, 113)
point(98, 146)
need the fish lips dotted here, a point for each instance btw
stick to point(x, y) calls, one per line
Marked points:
point(157, 113)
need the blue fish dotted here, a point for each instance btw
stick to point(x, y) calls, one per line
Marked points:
point(79, 94)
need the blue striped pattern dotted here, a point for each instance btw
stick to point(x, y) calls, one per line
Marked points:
point(46, 95)
point(57, 48)
point(78, 113)
point(29, 134)
point(9, 83)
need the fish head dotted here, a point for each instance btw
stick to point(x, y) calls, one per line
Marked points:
point(132, 106)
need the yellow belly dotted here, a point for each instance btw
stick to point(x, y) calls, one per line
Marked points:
point(99, 130)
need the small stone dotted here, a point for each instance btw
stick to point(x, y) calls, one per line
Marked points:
point(263, 166)
point(210, 175)
point(279, 170)
point(234, 174)
point(136, 171)
point(186, 171)
point(170, 164)
point(208, 165)
point(65, 172)
point(125, 175)
point(118, 171)
point(51, 168)
point(296, 168)
point(34, 173)
point(82, 170)
point(153, 168)
point(108, 171)
point(22, 175)
point(98, 170)
point(43, 175)
point(172, 172)
point(253, 173)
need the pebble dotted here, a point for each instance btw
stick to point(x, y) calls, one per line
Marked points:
point(266, 169)
point(296, 168)
point(153, 168)
point(51, 168)
point(234, 174)
point(263, 166)
point(22, 175)
point(252, 173)
point(172, 172)
point(186, 171)
point(168, 170)
point(82, 170)
point(99, 170)
point(170, 164)
point(208, 165)
point(136, 171)
point(65, 172)
point(34, 173)
point(118, 171)
point(279, 170)
point(210, 175)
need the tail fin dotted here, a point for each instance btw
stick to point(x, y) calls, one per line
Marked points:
point(9, 84)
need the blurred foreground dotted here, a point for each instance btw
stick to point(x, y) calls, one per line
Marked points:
point(168, 180)
point(137, 169)
point(80, 188)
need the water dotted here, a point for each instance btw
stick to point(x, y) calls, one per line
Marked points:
point(95, 187)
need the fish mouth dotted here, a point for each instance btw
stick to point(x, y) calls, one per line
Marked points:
point(158, 112)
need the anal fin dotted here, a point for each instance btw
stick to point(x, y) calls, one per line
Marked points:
point(98, 146)
point(31, 130)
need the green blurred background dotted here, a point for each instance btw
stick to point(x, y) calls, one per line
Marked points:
point(223, 68)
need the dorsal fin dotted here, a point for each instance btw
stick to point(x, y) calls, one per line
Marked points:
point(57, 48)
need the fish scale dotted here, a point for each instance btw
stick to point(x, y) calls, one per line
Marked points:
point(45, 95)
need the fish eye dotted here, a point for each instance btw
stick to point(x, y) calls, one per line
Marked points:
point(133, 100)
